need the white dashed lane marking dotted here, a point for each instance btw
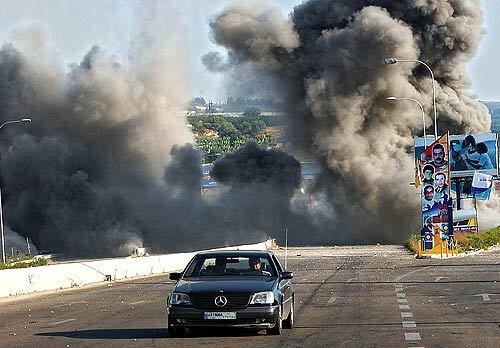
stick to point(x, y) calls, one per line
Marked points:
point(409, 324)
point(332, 299)
point(412, 336)
point(62, 322)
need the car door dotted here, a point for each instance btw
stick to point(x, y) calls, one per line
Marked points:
point(285, 287)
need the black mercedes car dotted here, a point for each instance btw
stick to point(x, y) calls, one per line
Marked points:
point(247, 289)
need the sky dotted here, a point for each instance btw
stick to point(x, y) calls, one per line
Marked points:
point(69, 28)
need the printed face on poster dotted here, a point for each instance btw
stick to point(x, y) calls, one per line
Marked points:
point(435, 179)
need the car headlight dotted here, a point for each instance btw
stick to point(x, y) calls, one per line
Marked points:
point(266, 297)
point(178, 298)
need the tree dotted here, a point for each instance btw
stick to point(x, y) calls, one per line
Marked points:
point(199, 101)
point(252, 112)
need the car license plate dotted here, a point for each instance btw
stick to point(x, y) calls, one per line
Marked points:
point(220, 315)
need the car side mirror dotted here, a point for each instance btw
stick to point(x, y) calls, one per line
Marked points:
point(286, 275)
point(174, 276)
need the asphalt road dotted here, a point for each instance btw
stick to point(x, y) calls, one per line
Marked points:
point(368, 296)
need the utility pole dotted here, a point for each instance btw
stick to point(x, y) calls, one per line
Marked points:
point(210, 107)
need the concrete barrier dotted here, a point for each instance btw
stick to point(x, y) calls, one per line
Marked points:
point(75, 274)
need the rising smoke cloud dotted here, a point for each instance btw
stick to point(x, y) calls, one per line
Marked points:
point(327, 64)
point(103, 169)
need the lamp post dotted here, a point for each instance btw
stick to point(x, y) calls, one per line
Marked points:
point(390, 61)
point(421, 108)
point(1, 208)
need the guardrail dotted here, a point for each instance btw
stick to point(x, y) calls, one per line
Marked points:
point(75, 274)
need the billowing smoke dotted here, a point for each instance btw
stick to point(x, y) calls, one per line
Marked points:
point(258, 200)
point(326, 62)
point(261, 184)
point(99, 171)
point(16, 245)
point(96, 149)
point(252, 165)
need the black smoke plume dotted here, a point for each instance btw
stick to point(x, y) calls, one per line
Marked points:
point(98, 171)
point(327, 62)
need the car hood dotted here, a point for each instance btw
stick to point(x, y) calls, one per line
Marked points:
point(234, 284)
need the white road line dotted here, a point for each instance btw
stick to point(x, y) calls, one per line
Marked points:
point(412, 336)
point(401, 306)
point(137, 302)
point(486, 297)
point(402, 300)
point(409, 324)
point(416, 270)
point(63, 321)
point(406, 315)
point(400, 295)
point(399, 289)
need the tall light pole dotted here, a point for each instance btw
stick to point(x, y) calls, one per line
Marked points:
point(421, 108)
point(1, 208)
point(390, 61)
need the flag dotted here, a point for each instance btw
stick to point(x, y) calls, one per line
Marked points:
point(418, 173)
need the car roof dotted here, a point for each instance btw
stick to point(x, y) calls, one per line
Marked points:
point(235, 252)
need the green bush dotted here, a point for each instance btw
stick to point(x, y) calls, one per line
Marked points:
point(482, 240)
point(412, 243)
point(23, 264)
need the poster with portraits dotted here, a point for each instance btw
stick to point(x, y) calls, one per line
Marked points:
point(468, 153)
point(435, 186)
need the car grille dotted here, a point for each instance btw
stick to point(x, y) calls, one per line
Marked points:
point(207, 301)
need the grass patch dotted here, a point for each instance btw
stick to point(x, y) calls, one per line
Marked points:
point(23, 264)
point(412, 243)
point(466, 242)
point(482, 240)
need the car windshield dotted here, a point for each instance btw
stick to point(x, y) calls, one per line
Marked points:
point(230, 265)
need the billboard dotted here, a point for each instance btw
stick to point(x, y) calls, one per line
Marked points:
point(465, 221)
point(435, 184)
point(468, 154)
point(464, 186)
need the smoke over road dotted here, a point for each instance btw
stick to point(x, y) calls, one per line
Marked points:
point(100, 170)
point(326, 62)
point(104, 167)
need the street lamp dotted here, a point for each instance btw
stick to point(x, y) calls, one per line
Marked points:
point(390, 61)
point(421, 108)
point(22, 120)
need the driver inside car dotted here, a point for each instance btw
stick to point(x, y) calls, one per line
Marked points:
point(255, 264)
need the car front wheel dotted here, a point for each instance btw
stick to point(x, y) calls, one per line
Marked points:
point(278, 327)
point(176, 331)
point(288, 323)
